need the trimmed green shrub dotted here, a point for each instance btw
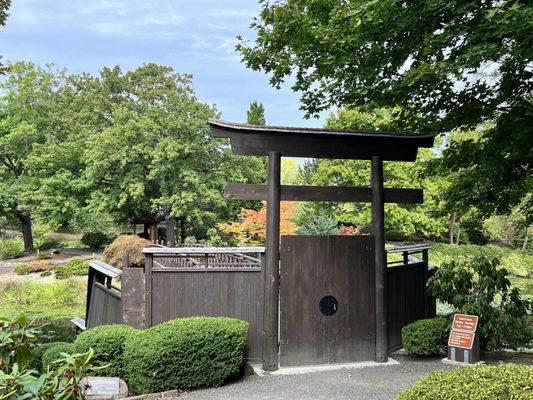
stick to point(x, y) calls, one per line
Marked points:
point(36, 361)
point(107, 341)
point(426, 337)
point(11, 248)
point(53, 353)
point(185, 353)
point(74, 267)
point(484, 382)
point(95, 240)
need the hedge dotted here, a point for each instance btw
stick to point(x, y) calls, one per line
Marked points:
point(107, 341)
point(502, 382)
point(185, 353)
point(53, 353)
point(36, 360)
point(426, 337)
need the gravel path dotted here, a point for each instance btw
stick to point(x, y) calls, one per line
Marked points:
point(376, 383)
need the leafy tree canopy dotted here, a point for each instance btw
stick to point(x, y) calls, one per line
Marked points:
point(426, 219)
point(442, 65)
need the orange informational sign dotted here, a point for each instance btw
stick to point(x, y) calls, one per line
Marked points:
point(465, 323)
point(463, 340)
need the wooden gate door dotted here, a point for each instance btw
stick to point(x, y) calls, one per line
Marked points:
point(327, 311)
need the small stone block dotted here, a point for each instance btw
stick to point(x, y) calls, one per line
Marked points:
point(100, 388)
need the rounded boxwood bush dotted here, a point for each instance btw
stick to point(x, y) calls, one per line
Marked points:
point(185, 353)
point(426, 337)
point(501, 382)
point(107, 341)
point(36, 360)
point(53, 353)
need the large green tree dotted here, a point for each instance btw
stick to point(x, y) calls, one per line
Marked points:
point(29, 117)
point(445, 65)
point(4, 7)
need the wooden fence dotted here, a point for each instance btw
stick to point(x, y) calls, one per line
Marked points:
point(226, 282)
point(407, 297)
point(104, 301)
point(183, 282)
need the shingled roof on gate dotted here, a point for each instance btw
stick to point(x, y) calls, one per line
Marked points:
point(259, 140)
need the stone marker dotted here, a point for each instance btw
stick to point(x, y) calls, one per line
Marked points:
point(100, 388)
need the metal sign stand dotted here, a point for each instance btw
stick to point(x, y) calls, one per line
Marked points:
point(463, 342)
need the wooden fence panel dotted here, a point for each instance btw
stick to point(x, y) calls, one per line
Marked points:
point(216, 292)
point(106, 306)
point(407, 299)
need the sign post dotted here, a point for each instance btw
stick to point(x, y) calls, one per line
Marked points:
point(463, 343)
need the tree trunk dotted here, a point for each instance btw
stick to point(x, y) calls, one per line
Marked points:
point(452, 227)
point(458, 233)
point(171, 231)
point(182, 231)
point(524, 245)
point(27, 235)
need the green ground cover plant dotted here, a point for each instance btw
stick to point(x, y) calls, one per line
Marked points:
point(108, 342)
point(426, 337)
point(11, 248)
point(481, 287)
point(484, 382)
point(518, 263)
point(34, 266)
point(185, 353)
point(74, 267)
point(43, 300)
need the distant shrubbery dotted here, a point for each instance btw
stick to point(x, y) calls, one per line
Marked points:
point(426, 337)
point(74, 267)
point(11, 248)
point(515, 261)
point(126, 244)
point(484, 382)
point(95, 240)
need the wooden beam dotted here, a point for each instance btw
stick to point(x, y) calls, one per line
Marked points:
point(235, 191)
point(271, 269)
point(380, 260)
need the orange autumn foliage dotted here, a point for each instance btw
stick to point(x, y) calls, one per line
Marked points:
point(252, 229)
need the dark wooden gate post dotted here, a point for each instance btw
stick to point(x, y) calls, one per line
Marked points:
point(271, 270)
point(378, 230)
point(148, 265)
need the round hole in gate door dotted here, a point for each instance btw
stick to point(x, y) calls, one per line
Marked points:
point(328, 305)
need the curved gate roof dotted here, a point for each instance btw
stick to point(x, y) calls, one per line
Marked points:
point(258, 140)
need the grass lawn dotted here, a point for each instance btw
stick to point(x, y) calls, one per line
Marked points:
point(43, 300)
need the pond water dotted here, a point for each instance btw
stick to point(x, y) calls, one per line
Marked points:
point(57, 330)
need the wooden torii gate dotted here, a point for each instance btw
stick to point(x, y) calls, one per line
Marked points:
point(276, 142)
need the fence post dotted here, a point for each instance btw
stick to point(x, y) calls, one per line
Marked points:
point(148, 264)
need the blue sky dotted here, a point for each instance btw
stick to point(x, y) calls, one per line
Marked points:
point(197, 37)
